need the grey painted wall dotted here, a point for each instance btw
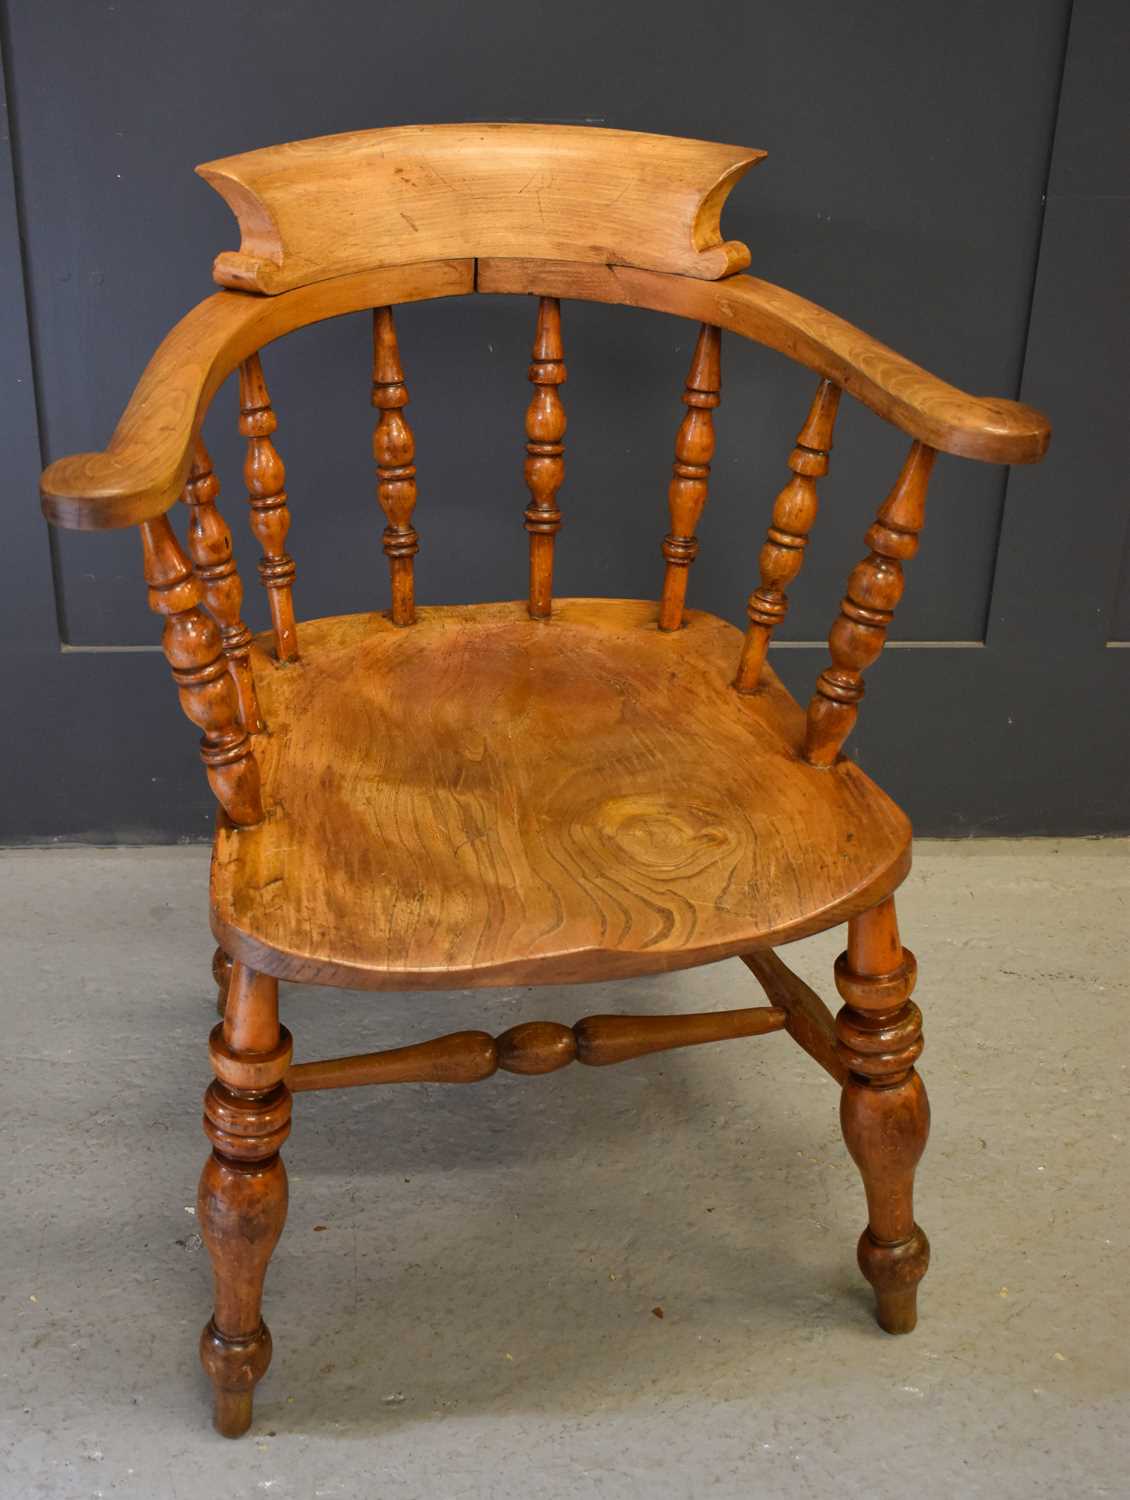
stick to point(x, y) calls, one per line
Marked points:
point(910, 151)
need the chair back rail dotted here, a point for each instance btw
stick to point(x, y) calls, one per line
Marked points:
point(553, 212)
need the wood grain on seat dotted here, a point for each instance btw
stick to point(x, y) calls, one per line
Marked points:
point(488, 799)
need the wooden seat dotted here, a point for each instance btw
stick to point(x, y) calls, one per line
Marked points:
point(489, 799)
point(540, 792)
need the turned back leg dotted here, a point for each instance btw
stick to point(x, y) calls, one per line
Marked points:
point(883, 1108)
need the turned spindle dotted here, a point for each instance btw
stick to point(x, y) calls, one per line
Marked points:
point(794, 511)
point(209, 546)
point(394, 450)
point(884, 1112)
point(686, 495)
point(242, 1200)
point(265, 477)
point(192, 646)
point(873, 592)
point(534, 1047)
point(545, 448)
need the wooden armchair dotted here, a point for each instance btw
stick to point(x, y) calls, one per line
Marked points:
point(548, 791)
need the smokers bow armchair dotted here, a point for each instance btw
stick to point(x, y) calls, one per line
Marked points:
point(539, 792)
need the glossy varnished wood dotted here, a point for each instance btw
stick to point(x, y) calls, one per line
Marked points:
point(545, 449)
point(808, 1020)
point(533, 1047)
point(489, 799)
point(883, 1108)
point(242, 1199)
point(394, 452)
point(690, 474)
point(193, 647)
point(210, 547)
point(867, 609)
point(310, 210)
point(794, 511)
point(221, 973)
point(265, 476)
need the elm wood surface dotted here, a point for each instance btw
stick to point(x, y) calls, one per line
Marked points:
point(873, 592)
point(313, 209)
point(794, 511)
point(690, 475)
point(394, 452)
point(533, 1047)
point(265, 476)
point(210, 547)
point(193, 648)
point(809, 1021)
point(487, 799)
point(884, 1111)
point(221, 973)
point(545, 449)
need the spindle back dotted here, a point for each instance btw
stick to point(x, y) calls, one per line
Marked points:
point(380, 218)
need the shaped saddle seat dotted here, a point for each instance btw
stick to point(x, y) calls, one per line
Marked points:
point(487, 799)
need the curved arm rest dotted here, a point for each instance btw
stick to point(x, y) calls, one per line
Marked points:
point(924, 407)
point(143, 470)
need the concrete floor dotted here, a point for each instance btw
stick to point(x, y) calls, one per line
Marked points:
point(463, 1301)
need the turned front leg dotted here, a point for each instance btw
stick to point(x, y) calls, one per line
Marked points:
point(242, 1199)
point(883, 1108)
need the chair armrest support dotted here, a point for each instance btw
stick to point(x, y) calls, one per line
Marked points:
point(144, 468)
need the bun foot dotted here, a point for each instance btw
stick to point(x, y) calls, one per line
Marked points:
point(235, 1367)
point(894, 1272)
point(231, 1413)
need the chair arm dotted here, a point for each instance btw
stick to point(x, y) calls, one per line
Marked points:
point(989, 428)
point(982, 427)
point(143, 470)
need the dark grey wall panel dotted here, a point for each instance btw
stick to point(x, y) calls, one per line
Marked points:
point(904, 189)
point(1120, 611)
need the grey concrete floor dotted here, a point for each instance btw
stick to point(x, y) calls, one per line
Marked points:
point(463, 1300)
